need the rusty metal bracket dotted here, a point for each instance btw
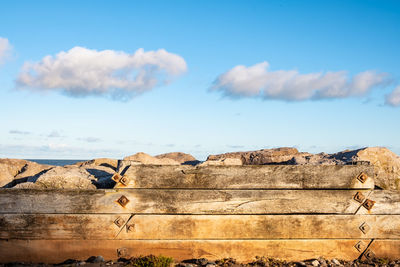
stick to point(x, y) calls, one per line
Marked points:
point(122, 252)
point(119, 222)
point(123, 200)
point(359, 197)
point(362, 177)
point(360, 246)
point(369, 254)
point(364, 227)
point(368, 204)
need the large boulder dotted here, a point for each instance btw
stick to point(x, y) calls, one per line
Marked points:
point(103, 162)
point(15, 171)
point(259, 157)
point(179, 157)
point(386, 163)
point(144, 158)
point(70, 177)
point(386, 166)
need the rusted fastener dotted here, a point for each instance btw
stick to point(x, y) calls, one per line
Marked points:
point(369, 254)
point(122, 252)
point(359, 197)
point(364, 227)
point(362, 177)
point(123, 200)
point(119, 222)
point(116, 177)
point(368, 204)
point(359, 246)
point(130, 227)
point(124, 180)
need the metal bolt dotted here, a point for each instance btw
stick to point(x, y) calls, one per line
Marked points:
point(130, 228)
point(116, 177)
point(122, 252)
point(359, 197)
point(364, 227)
point(368, 204)
point(124, 180)
point(359, 246)
point(123, 200)
point(119, 222)
point(362, 177)
point(369, 254)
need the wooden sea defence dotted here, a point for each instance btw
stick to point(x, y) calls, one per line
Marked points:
point(281, 211)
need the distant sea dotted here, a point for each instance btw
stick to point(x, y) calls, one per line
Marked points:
point(57, 162)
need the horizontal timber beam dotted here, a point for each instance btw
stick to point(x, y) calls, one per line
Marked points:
point(248, 177)
point(195, 227)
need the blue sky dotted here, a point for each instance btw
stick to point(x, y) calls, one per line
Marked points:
point(232, 76)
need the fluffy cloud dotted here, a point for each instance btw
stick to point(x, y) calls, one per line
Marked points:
point(290, 85)
point(5, 49)
point(81, 71)
point(393, 99)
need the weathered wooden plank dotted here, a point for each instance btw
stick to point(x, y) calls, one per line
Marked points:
point(195, 227)
point(182, 201)
point(55, 251)
point(384, 249)
point(384, 202)
point(248, 177)
point(62, 226)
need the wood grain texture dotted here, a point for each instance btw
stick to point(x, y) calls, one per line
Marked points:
point(196, 227)
point(386, 202)
point(248, 177)
point(386, 249)
point(56, 251)
point(171, 201)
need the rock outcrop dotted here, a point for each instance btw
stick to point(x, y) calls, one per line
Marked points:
point(103, 162)
point(385, 162)
point(259, 157)
point(15, 171)
point(66, 178)
point(144, 158)
point(223, 162)
point(386, 165)
point(179, 157)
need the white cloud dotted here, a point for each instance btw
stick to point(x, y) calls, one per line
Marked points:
point(393, 99)
point(5, 49)
point(290, 85)
point(81, 71)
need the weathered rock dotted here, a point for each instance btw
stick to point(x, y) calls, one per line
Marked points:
point(104, 162)
point(71, 177)
point(386, 163)
point(386, 166)
point(147, 159)
point(27, 185)
point(102, 174)
point(180, 157)
point(260, 157)
point(9, 168)
point(222, 162)
point(15, 171)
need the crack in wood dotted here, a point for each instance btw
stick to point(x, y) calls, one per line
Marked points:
point(120, 230)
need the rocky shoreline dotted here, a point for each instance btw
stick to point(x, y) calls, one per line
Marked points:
point(160, 261)
point(97, 173)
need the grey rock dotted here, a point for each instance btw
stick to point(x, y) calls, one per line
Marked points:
point(315, 263)
point(71, 177)
point(98, 259)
